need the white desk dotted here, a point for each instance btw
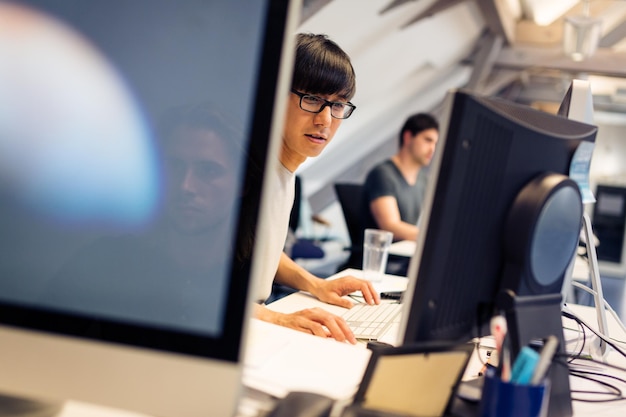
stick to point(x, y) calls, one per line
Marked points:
point(332, 368)
point(279, 359)
point(571, 333)
point(342, 376)
point(403, 248)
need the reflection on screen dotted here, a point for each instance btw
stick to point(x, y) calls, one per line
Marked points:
point(121, 156)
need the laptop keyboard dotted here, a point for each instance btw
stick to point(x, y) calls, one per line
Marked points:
point(369, 322)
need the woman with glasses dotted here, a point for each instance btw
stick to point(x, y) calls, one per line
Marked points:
point(322, 86)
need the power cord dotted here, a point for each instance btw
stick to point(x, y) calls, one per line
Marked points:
point(604, 302)
point(612, 392)
point(610, 342)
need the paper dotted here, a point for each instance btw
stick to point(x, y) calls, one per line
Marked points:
point(279, 360)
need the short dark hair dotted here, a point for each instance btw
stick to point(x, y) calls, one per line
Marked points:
point(204, 116)
point(417, 123)
point(322, 67)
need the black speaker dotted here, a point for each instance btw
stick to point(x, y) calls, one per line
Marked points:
point(541, 235)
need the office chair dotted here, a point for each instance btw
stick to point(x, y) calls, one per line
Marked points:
point(303, 248)
point(349, 196)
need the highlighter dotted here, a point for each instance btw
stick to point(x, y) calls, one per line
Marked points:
point(524, 366)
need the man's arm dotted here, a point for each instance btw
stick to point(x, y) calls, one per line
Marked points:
point(385, 211)
point(295, 276)
point(317, 321)
point(329, 291)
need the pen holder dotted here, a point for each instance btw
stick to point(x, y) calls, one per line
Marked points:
point(505, 399)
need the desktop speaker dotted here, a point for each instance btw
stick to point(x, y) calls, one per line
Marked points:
point(541, 235)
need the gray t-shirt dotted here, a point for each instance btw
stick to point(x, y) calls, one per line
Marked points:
point(385, 179)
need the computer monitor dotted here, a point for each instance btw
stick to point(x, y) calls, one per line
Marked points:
point(125, 131)
point(491, 149)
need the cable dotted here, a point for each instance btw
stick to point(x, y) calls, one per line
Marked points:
point(606, 304)
point(605, 364)
point(616, 393)
point(601, 336)
point(582, 345)
point(615, 377)
point(478, 346)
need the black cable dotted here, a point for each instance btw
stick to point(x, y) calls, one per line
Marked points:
point(615, 377)
point(582, 345)
point(597, 362)
point(617, 392)
point(477, 348)
point(605, 339)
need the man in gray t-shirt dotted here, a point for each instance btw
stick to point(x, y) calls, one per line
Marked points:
point(394, 189)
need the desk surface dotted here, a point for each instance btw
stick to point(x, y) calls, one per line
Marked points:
point(403, 248)
point(344, 375)
point(280, 359)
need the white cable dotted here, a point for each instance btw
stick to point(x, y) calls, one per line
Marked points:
point(606, 305)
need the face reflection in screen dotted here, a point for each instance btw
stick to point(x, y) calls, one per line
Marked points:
point(201, 153)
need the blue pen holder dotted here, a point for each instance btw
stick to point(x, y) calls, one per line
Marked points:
point(504, 399)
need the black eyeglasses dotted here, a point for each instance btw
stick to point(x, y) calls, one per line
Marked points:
point(315, 104)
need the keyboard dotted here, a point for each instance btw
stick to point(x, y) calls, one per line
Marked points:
point(369, 322)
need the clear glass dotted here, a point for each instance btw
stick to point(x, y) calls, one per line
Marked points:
point(375, 252)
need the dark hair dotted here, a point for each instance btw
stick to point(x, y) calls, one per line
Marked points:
point(417, 123)
point(322, 67)
point(204, 116)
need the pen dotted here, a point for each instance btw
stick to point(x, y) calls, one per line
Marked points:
point(545, 359)
point(498, 329)
point(505, 370)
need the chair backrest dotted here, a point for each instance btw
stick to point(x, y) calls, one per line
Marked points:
point(350, 199)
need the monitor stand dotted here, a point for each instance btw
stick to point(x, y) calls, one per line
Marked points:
point(20, 407)
point(601, 346)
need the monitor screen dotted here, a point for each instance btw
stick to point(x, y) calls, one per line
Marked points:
point(491, 149)
point(126, 133)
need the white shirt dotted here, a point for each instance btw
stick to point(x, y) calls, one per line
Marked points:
point(272, 230)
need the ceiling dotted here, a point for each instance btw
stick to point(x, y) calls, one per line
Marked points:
point(408, 53)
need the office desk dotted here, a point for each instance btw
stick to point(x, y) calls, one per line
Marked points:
point(403, 248)
point(295, 360)
point(279, 359)
point(571, 333)
point(343, 376)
